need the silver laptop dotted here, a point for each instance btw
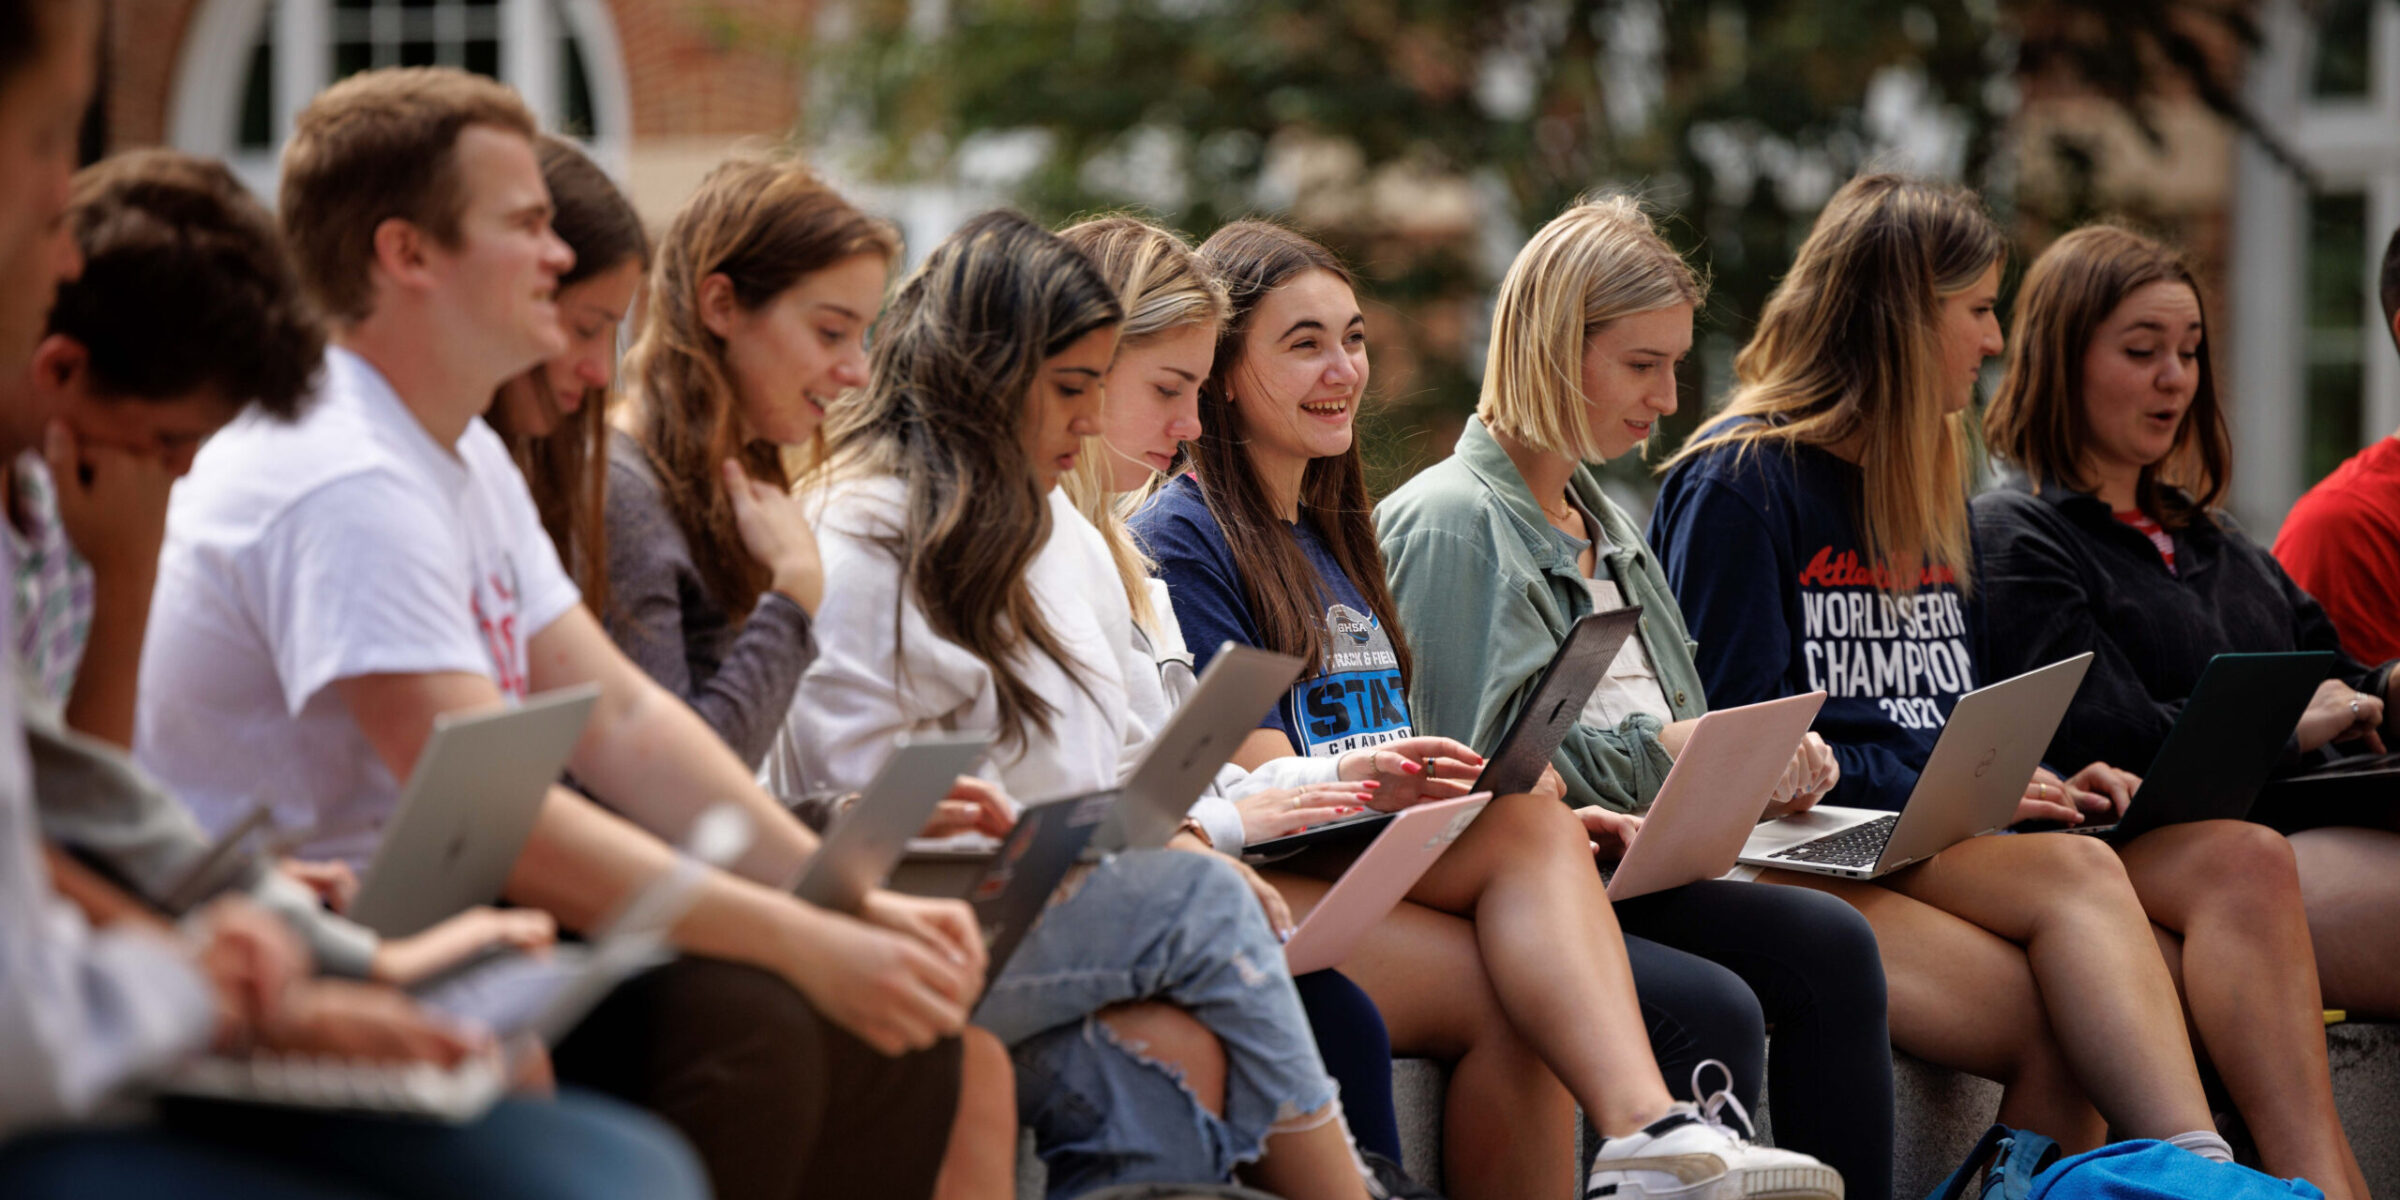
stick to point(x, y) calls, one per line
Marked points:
point(1970, 785)
point(470, 804)
point(864, 844)
point(1240, 685)
point(1714, 795)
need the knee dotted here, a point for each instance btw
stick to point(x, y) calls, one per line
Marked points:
point(2251, 862)
point(2076, 870)
point(1836, 936)
point(1524, 829)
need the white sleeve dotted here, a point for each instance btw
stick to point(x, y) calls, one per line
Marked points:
point(302, 576)
point(1216, 810)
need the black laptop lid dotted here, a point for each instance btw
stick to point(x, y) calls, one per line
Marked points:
point(1048, 838)
point(1566, 685)
point(2229, 739)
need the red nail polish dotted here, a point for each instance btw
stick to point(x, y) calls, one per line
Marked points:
point(1372, 784)
point(1413, 768)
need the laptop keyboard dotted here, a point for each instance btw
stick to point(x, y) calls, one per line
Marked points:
point(453, 1095)
point(1857, 846)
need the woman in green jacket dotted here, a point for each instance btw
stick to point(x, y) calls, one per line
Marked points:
point(1506, 543)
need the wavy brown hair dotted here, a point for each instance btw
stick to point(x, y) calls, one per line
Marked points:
point(1849, 351)
point(1252, 258)
point(2037, 420)
point(949, 391)
point(764, 224)
point(568, 470)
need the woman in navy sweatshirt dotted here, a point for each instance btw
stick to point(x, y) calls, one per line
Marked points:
point(1816, 538)
point(2108, 403)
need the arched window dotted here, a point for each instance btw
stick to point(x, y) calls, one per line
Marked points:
point(249, 65)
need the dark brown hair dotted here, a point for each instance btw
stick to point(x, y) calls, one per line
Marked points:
point(2389, 287)
point(568, 470)
point(26, 27)
point(764, 224)
point(377, 146)
point(185, 287)
point(1253, 258)
point(955, 361)
point(2037, 420)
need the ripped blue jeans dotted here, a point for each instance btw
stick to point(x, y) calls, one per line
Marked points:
point(1160, 925)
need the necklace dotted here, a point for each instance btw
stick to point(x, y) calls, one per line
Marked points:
point(1564, 514)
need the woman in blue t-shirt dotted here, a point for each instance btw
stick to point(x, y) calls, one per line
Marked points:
point(1816, 538)
point(1269, 542)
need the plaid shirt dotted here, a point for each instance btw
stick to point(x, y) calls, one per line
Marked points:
point(53, 585)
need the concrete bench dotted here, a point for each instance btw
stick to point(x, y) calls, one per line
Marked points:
point(1940, 1113)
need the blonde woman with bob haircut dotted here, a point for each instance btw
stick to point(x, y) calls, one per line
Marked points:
point(1816, 537)
point(1509, 541)
point(1270, 542)
point(2109, 412)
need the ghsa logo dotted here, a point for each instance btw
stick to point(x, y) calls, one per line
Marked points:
point(1347, 622)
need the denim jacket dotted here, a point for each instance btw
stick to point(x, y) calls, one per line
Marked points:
point(2063, 575)
point(1487, 595)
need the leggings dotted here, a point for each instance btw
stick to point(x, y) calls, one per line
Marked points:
point(1358, 1054)
point(1717, 962)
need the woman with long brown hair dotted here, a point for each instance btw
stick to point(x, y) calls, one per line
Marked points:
point(1816, 537)
point(1268, 541)
point(2108, 539)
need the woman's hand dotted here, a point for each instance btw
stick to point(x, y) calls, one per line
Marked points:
point(2102, 791)
point(2338, 714)
point(1612, 831)
point(1274, 812)
point(1413, 770)
point(973, 806)
point(1279, 913)
point(2046, 799)
point(403, 962)
point(335, 884)
point(342, 1019)
point(774, 528)
point(947, 927)
point(112, 502)
point(251, 963)
point(891, 990)
point(1812, 773)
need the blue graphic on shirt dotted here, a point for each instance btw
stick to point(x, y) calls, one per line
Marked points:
point(1356, 699)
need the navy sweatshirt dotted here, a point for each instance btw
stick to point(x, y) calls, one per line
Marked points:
point(1766, 560)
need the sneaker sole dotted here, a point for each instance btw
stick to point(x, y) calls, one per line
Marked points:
point(1813, 1182)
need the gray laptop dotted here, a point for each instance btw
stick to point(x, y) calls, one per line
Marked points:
point(1240, 685)
point(1970, 785)
point(468, 808)
point(863, 845)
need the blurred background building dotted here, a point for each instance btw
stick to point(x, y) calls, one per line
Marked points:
point(1425, 140)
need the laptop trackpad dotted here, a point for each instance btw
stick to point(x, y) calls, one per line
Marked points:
point(1787, 832)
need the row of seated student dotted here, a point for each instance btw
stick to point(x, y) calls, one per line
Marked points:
point(339, 569)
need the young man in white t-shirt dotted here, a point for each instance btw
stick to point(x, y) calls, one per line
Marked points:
point(330, 586)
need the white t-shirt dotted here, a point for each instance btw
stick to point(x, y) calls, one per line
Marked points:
point(347, 543)
point(1631, 685)
point(865, 688)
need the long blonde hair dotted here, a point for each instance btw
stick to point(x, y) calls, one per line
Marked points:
point(1163, 288)
point(1849, 350)
point(1599, 261)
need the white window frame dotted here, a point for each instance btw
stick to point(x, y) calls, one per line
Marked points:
point(2352, 146)
point(205, 104)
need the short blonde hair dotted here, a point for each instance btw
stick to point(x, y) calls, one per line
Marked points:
point(1600, 261)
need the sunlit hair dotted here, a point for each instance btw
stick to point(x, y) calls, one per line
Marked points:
point(1597, 262)
point(949, 393)
point(1163, 288)
point(567, 471)
point(2038, 422)
point(1849, 351)
point(1253, 258)
point(764, 224)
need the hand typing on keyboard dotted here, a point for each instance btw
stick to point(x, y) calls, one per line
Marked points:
point(407, 961)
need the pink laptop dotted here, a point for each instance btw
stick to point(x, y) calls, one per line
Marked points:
point(1715, 795)
point(1381, 875)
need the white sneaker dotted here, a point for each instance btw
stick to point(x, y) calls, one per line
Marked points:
point(1689, 1154)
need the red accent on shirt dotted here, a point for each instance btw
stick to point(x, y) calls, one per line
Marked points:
point(2155, 532)
point(2341, 544)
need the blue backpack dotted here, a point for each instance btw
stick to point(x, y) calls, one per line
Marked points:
point(2022, 1165)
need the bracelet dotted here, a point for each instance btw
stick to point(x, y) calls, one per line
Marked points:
point(1192, 826)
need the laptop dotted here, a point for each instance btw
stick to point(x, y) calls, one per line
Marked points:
point(470, 804)
point(1014, 889)
point(1516, 763)
point(867, 841)
point(1970, 785)
point(522, 995)
point(2228, 740)
point(1240, 684)
point(1714, 795)
point(1376, 880)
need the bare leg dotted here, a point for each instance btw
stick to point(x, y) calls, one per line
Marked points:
point(2350, 882)
point(1508, 1127)
point(2249, 977)
point(2109, 999)
point(1964, 998)
point(980, 1162)
point(1553, 953)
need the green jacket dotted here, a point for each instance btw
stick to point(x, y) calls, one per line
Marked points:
point(1487, 594)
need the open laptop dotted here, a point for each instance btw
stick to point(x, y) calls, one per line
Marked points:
point(1516, 763)
point(862, 847)
point(1376, 880)
point(2228, 740)
point(1970, 785)
point(469, 806)
point(1240, 685)
point(1713, 797)
point(1014, 887)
